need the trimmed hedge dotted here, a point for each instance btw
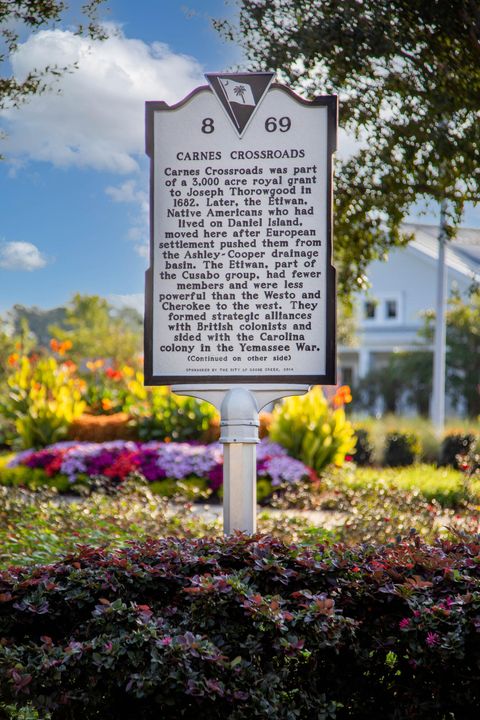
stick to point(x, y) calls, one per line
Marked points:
point(455, 446)
point(401, 449)
point(246, 628)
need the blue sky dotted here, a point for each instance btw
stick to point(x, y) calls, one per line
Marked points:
point(73, 188)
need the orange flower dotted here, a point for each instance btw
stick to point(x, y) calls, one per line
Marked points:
point(342, 396)
point(64, 346)
point(113, 374)
point(70, 366)
point(54, 344)
point(13, 359)
point(106, 404)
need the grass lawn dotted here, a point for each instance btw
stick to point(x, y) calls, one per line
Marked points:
point(447, 486)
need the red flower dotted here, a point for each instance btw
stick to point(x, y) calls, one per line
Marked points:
point(124, 464)
point(54, 466)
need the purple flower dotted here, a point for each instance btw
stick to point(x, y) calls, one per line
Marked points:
point(433, 639)
point(267, 449)
point(156, 460)
point(283, 468)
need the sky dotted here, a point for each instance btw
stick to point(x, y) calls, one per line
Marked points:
point(74, 182)
point(73, 186)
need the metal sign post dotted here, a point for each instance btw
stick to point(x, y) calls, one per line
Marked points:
point(239, 407)
point(240, 292)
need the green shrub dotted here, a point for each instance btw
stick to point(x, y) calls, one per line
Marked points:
point(33, 478)
point(445, 486)
point(455, 445)
point(174, 417)
point(363, 454)
point(41, 528)
point(245, 627)
point(311, 431)
point(422, 428)
point(401, 449)
point(41, 398)
point(26, 712)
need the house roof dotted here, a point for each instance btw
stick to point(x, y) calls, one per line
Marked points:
point(462, 253)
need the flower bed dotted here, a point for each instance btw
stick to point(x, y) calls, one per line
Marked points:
point(69, 465)
point(245, 628)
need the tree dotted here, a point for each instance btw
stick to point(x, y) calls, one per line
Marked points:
point(463, 349)
point(17, 17)
point(408, 76)
point(405, 379)
point(97, 330)
point(38, 322)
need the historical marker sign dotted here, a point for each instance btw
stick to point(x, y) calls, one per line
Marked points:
point(241, 286)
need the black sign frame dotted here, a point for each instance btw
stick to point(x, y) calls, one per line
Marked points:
point(330, 102)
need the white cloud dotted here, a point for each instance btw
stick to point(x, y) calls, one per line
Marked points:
point(97, 119)
point(128, 192)
point(21, 256)
point(138, 233)
point(135, 300)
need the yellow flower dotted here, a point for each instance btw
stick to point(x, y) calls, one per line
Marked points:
point(95, 364)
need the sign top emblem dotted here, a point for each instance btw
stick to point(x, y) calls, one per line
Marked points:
point(240, 94)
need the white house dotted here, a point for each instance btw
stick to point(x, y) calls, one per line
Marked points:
point(402, 288)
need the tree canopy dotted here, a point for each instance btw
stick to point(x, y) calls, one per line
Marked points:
point(17, 18)
point(463, 348)
point(407, 73)
point(93, 326)
point(98, 330)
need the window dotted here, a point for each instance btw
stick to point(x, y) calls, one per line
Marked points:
point(370, 310)
point(382, 309)
point(391, 309)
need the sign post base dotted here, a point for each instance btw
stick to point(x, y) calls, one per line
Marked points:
point(239, 407)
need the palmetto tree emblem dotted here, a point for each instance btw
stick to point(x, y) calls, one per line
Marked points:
point(240, 90)
point(239, 94)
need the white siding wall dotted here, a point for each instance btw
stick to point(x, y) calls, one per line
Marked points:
point(411, 274)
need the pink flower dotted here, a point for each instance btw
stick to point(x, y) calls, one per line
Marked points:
point(166, 640)
point(433, 638)
point(403, 624)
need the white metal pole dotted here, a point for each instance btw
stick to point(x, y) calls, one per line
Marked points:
point(239, 487)
point(439, 353)
point(239, 407)
point(239, 435)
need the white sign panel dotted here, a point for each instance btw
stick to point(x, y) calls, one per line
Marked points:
point(241, 286)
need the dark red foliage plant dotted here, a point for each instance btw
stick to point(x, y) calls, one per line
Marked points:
point(246, 627)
